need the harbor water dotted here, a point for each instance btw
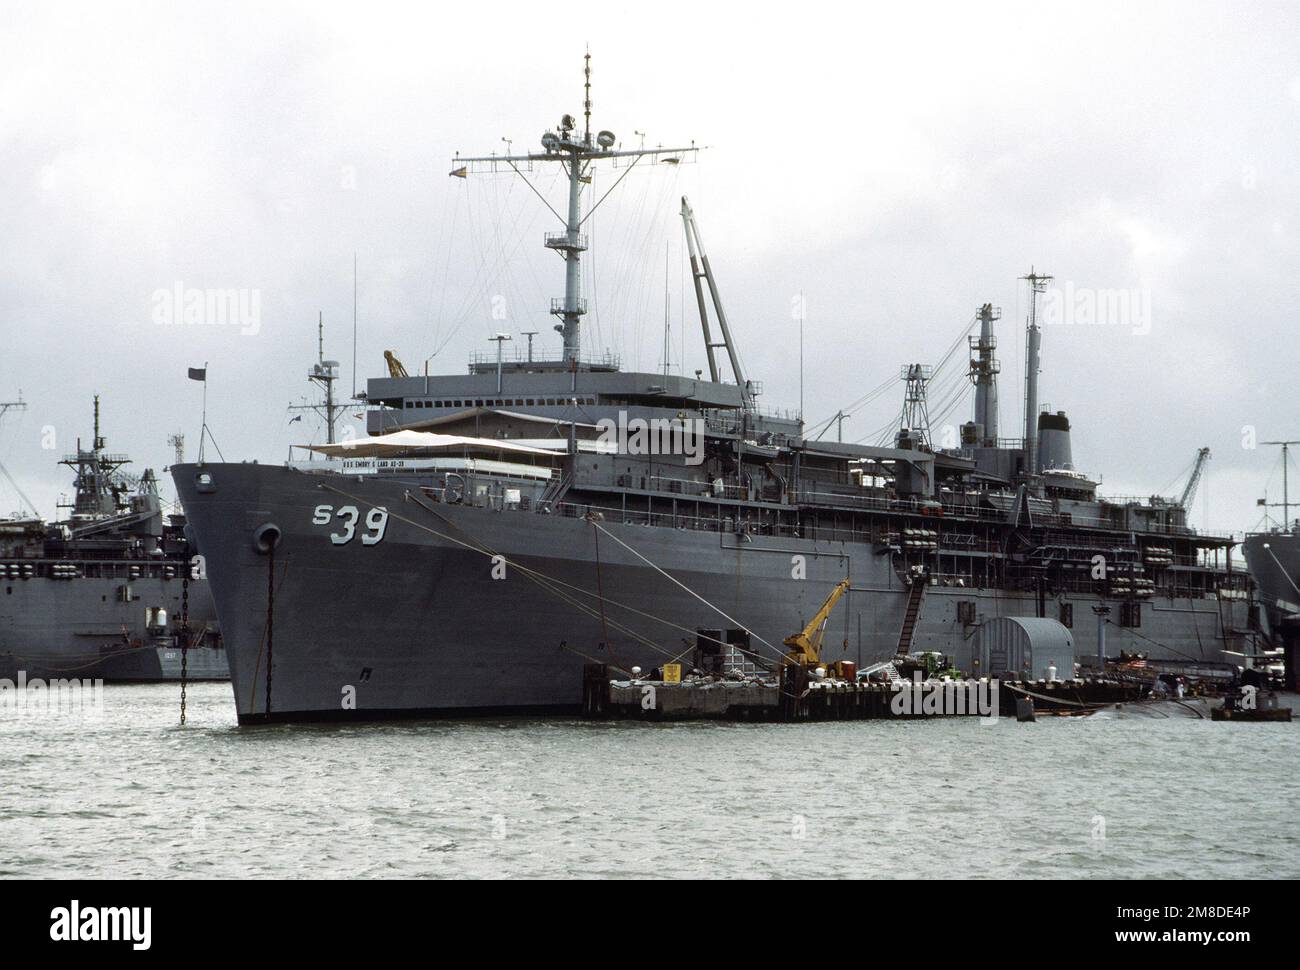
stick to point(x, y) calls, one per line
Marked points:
point(126, 792)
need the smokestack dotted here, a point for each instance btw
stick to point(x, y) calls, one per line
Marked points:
point(1054, 442)
point(1032, 338)
point(984, 369)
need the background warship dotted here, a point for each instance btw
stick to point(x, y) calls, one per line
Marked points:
point(107, 592)
point(489, 538)
point(1274, 559)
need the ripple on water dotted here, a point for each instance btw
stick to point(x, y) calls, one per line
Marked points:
point(130, 794)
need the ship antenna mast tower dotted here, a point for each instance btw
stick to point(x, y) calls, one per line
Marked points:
point(1033, 338)
point(916, 410)
point(99, 484)
point(1285, 504)
point(5, 408)
point(325, 373)
point(574, 152)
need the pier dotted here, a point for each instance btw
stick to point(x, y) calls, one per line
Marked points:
point(794, 696)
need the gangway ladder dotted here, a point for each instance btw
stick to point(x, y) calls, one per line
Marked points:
point(885, 668)
point(914, 597)
point(561, 480)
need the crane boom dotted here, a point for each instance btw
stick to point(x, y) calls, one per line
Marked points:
point(1189, 492)
point(805, 646)
point(701, 271)
point(395, 368)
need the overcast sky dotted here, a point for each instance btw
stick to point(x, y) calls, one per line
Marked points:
point(898, 167)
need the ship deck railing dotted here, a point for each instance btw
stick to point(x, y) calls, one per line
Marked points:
point(968, 505)
point(514, 358)
point(740, 526)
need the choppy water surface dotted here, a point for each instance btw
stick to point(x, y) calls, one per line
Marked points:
point(128, 793)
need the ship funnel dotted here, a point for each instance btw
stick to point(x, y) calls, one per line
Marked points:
point(1054, 442)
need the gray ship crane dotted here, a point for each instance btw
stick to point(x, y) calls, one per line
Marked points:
point(702, 273)
point(1189, 492)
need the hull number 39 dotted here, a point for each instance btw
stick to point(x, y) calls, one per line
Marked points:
point(348, 517)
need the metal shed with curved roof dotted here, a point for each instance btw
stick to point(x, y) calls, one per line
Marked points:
point(1025, 647)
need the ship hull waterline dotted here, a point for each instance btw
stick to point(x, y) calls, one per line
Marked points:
point(424, 622)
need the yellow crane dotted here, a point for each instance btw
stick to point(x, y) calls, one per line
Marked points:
point(805, 646)
point(395, 368)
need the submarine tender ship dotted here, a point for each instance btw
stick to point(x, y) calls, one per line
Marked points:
point(501, 528)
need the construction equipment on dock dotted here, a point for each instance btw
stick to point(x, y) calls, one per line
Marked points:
point(806, 646)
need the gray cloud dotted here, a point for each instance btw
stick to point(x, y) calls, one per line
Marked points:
point(898, 168)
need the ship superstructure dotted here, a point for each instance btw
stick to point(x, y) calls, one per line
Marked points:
point(109, 591)
point(501, 527)
point(1274, 559)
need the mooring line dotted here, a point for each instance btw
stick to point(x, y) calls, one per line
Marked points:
point(549, 582)
point(537, 577)
point(666, 575)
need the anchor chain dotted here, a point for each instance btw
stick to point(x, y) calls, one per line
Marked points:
point(270, 620)
point(185, 636)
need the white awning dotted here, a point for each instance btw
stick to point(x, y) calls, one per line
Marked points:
point(426, 441)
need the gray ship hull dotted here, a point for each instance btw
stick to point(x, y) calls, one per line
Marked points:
point(82, 628)
point(423, 622)
point(1274, 561)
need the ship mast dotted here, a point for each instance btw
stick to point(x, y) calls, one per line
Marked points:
point(98, 486)
point(325, 373)
point(5, 408)
point(1033, 337)
point(575, 152)
point(1286, 485)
